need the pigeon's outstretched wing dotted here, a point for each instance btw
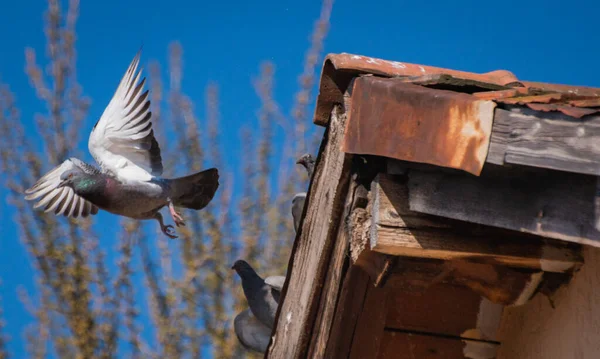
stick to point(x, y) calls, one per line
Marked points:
point(251, 333)
point(122, 141)
point(62, 200)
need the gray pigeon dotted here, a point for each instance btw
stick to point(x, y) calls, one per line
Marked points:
point(297, 207)
point(262, 295)
point(128, 182)
point(253, 334)
point(308, 161)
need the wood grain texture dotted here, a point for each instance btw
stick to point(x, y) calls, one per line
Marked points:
point(333, 285)
point(498, 283)
point(399, 230)
point(352, 297)
point(443, 308)
point(369, 327)
point(312, 248)
point(403, 345)
point(546, 203)
point(548, 140)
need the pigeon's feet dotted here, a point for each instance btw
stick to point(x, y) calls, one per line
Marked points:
point(176, 216)
point(169, 230)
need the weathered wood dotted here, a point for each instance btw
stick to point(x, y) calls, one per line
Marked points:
point(597, 205)
point(333, 283)
point(398, 230)
point(377, 265)
point(369, 328)
point(499, 138)
point(547, 203)
point(546, 139)
point(498, 283)
point(312, 249)
point(443, 308)
point(407, 345)
point(358, 224)
point(352, 297)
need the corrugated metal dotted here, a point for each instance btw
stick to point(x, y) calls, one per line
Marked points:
point(414, 123)
point(500, 86)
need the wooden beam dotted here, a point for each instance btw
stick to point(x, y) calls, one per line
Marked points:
point(442, 308)
point(498, 283)
point(546, 203)
point(398, 230)
point(545, 139)
point(409, 345)
point(352, 297)
point(333, 284)
point(313, 246)
point(370, 324)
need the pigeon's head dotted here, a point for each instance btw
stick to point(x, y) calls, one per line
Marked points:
point(242, 267)
point(306, 160)
point(68, 178)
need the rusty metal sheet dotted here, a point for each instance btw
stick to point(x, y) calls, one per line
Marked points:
point(521, 100)
point(576, 90)
point(587, 102)
point(500, 86)
point(452, 82)
point(339, 69)
point(413, 123)
point(394, 68)
point(501, 94)
point(577, 112)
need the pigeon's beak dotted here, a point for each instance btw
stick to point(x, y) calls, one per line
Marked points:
point(62, 184)
point(299, 162)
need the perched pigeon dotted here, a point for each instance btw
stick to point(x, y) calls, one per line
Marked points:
point(127, 183)
point(262, 295)
point(253, 334)
point(297, 207)
point(308, 162)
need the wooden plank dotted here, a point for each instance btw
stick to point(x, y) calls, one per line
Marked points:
point(398, 230)
point(371, 322)
point(443, 308)
point(597, 205)
point(377, 265)
point(347, 312)
point(547, 140)
point(499, 138)
point(406, 345)
point(312, 248)
point(498, 283)
point(333, 285)
point(546, 203)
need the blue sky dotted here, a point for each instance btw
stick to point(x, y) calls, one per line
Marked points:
point(225, 42)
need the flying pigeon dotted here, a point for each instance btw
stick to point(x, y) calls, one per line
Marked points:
point(297, 207)
point(262, 295)
point(128, 182)
point(253, 334)
point(308, 161)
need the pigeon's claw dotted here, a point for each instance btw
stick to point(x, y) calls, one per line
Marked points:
point(176, 216)
point(169, 230)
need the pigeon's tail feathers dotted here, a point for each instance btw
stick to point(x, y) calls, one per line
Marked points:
point(195, 191)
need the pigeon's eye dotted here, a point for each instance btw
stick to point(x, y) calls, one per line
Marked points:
point(70, 175)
